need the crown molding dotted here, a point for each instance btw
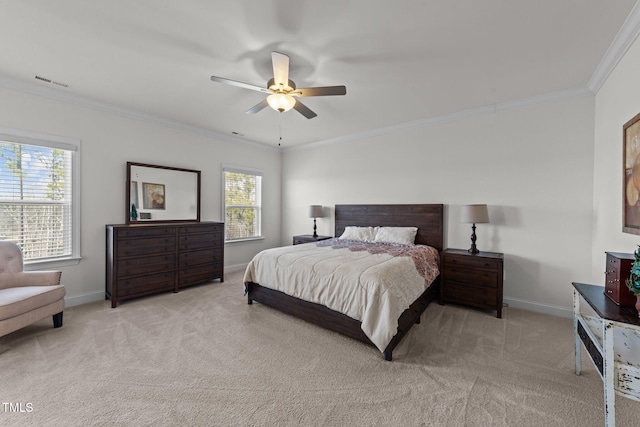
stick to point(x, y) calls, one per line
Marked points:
point(453, 117)
point(627, 34)
point(81, 101)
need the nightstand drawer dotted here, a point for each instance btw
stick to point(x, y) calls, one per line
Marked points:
point(478, 277)
point(465, 293)
point(454, 261)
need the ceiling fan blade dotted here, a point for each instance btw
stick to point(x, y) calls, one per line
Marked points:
point(258, 107)
point(280, 69)
point(320, 91)
point(240, 84)
point(304, 110)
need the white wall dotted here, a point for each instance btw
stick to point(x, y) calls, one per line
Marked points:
point(533, 167)
point(617, 101)
point(108, 142)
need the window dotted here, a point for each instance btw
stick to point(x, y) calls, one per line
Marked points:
point(39, 203)
point(242, 203)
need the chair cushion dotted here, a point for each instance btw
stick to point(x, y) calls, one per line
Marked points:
point(16, 301)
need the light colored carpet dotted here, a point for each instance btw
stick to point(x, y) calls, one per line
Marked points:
point(203, 357)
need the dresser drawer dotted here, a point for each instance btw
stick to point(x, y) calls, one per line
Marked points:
point(146, 284)
point(188, 259)
point(142, 231)
point(197, 241)
point(457, 261)
point(145, 265)
point(202, 228)
point(199, 274)
point(151, 245)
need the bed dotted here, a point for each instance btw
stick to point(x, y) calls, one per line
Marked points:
point(427, 218)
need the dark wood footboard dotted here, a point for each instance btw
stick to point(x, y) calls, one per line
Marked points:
point(338, 322)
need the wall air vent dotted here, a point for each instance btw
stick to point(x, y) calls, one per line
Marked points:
point(53, 82)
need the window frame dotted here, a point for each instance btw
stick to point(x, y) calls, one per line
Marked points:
point(247, 171)
point(73, 145)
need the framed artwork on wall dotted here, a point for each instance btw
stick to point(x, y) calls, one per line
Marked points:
point(631, 176)
point(153, 195)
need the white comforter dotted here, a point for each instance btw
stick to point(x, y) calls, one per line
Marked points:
point(370, 282)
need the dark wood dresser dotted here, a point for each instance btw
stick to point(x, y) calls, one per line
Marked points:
point(473, 279)
point(143, 259)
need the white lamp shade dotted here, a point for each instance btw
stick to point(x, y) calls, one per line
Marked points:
point(315, 211)
point(281, 102)
point(476, 214)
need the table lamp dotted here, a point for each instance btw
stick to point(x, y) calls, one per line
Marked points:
point(474, 214)
point(315, 211)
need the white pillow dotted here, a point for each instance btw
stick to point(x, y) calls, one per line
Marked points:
point(403, 235)
point(362, 234)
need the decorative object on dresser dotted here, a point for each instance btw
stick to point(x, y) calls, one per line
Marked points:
point(473, 279)
point(633, 281)
point(146, 258)
point(474, 214)
point(617, 272)
point(611, 335)
point(308, 238)
point(315, 211)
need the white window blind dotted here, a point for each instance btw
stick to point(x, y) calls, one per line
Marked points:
point(36, 197)
point(242, 204)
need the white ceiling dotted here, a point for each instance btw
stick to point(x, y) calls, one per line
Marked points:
point(402, 61)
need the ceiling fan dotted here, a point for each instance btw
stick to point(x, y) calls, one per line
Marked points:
point(282, 91)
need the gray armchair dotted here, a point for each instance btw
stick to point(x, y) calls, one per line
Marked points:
point(27, 296)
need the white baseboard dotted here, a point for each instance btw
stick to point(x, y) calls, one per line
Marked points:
point(536, 307)
point(70, 301)
point(234, 268)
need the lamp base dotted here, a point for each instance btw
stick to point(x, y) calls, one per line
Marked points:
point(473, 249)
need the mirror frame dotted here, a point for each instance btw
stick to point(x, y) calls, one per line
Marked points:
point(128, 193)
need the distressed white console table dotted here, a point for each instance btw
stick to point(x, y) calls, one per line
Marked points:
point(611, 336)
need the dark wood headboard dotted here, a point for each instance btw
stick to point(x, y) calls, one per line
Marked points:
point(428, 218)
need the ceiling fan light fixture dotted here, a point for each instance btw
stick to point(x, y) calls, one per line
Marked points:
point(281, 102)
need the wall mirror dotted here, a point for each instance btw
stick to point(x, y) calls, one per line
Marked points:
point(162, 194)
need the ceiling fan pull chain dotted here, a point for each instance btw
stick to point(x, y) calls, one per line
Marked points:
point(279, 127)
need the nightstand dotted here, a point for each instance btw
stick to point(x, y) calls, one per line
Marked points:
point(308, 238)
point(472, 279)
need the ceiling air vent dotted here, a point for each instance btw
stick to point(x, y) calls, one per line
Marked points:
point(53, 82)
